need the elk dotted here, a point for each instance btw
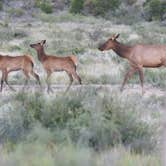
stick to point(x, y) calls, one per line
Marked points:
point(53, 63)
point(16, 63)
point(139, 56)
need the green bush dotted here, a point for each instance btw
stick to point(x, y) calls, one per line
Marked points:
point(16, 12)
point(155, 9)
point(39, 153)
point(76, 6)
point(130, 2)
point(1, 5)
point(97, 7)
point(45, 6)
point(85, 119)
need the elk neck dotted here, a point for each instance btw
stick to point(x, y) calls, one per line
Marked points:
point(122, 50)
point(41, 54)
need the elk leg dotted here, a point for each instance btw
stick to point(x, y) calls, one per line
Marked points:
point(76, 76)
point(2, 80)
point(26, 80)
point(71, 81)
point(48, 82)
point(127, 77)
point(36, 76)
point(141, 76)
point(6, 80)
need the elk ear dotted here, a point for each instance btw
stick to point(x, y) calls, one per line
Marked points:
point(117, 35)
point(43, 42)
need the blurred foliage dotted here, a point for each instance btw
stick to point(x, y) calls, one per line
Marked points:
point(95, 7)
point(85, 119)
point(44, 5)
point(76, 6)
point(155, 9)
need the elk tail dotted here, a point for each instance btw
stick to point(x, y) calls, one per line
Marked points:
point(74, 59)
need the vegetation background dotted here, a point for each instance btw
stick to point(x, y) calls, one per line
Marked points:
point(93, 124)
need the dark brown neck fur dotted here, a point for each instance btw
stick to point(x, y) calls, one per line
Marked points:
point(41, 54)
point(122, 50)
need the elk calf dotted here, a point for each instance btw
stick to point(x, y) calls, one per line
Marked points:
point(10, 63)
point(139, 56)
point(54, 64)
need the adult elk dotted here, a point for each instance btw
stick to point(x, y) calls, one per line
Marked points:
point(53, 64)
point(139, 56)
point(15, 63)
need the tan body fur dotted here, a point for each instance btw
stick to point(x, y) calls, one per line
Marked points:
point(139, 56)
point(53, 63)
point(15, 63)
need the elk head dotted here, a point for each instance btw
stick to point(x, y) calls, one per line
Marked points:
point(109, 44)
point(38, 46)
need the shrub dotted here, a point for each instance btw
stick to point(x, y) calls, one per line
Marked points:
point(16, 12)
point(76, 6)
point(45, 6)
point(130, 2)
point(83, 119)
point(18, 33)
point(97, 7)
point(1, 5)
point(155, 9)
point(6, 34)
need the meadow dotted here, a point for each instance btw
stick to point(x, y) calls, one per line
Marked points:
point(94, 124)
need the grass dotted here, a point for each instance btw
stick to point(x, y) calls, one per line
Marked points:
point(71, 155)
point(90, 126)
point(120, 156)
point(78, 120)
point(16, 12)
point(45, 6)
point(65, 30)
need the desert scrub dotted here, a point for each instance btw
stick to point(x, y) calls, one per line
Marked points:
point(16, 12)
point(121, 156)
point(40, 153)
point(97, 7)
point(145, 36)
point(11, 121)
point(94, 7)
point(19, 33)
point(154, 9)
point(76, 6)
point(156, 77)
point(63, 17)
point(1, 5)
point(45, 6)
point(86, 119)
point(70, 155)
point(6, 34)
